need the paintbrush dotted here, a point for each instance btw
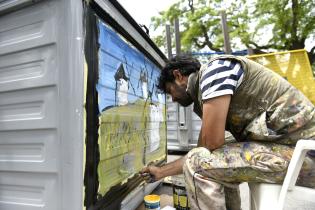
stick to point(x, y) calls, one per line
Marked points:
point(149, 178)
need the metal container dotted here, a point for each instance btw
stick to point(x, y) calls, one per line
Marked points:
point(58, 124)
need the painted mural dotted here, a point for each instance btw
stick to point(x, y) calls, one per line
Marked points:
point(132, 130)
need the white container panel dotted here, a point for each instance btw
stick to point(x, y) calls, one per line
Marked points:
point(25, 30)
point(195, 117)
point(41, 105)
point(171, 107)
point(29, 151)
point(28, 191)
point(196, 125)
point(28, 109)
point(194, 136)
point(171, 135)
point(29, 68)
point(171, 116)
point(172, 126)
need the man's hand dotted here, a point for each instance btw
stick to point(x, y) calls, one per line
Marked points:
point(151, 174)
point(154, 173)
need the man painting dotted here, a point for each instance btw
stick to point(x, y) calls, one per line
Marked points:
point(265, 114)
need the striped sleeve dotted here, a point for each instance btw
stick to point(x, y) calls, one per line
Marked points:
point(221, 77)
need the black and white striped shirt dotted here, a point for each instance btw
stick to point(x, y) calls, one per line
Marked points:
point(221, 77)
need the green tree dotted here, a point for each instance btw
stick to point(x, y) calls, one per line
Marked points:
point(263, 25)
point(292, 22)
point(200, 24)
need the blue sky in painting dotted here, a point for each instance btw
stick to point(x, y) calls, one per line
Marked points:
point(113, 52)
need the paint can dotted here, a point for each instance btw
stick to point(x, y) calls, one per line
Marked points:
point(180, 198)
point(152, 202)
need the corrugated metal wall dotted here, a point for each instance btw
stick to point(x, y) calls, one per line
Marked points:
point(38, 123)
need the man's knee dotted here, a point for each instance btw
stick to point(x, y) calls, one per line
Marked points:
point(192, 162)
point(195, 157)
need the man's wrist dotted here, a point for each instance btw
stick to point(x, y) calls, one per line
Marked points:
point(161, 172)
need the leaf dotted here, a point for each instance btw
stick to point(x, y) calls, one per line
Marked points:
point(288, 23)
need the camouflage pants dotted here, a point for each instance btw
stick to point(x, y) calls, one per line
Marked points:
point(212, 178)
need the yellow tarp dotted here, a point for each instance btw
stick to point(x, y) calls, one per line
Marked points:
point(293, 66)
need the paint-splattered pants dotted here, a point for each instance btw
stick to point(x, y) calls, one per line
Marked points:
point(212, 178)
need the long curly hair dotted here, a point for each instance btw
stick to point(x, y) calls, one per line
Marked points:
point(184, 63)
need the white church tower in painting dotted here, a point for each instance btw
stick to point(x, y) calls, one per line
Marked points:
point(122, 86)
point(144, 84)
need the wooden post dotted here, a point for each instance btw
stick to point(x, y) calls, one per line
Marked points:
point(177, 36)
point(250, 51)
point(227, 45)
point(168, 41)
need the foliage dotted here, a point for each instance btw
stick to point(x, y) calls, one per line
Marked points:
point(200, 24)
point(263, 25)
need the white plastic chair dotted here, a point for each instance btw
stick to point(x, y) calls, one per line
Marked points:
point(275, 197)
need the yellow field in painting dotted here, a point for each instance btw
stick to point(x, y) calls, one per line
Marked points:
point(123, 138)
